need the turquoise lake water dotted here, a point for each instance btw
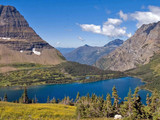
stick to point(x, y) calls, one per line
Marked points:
point(60, 91)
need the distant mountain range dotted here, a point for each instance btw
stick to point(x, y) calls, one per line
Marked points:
point(65, 50)
point(89, 55)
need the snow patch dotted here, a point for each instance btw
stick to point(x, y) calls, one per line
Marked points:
point(5, 38)
point(36, 52)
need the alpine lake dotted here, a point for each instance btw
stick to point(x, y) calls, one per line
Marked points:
point(59, 91)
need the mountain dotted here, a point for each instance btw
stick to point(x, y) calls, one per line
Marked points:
point(65, 50)
point(149, 73)
point(19, 43)
point(89, 54)
point(134, 52)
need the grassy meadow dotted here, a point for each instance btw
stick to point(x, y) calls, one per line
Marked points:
point(17, 111)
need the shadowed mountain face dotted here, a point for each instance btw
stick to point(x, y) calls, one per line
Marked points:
point(89, 55)
point(136, 51)
point(19, 43)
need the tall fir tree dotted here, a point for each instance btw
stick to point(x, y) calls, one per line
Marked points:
point(48, 100)
point(154, 101)
point(116, 99)
point(107, 107)
point(137, 105)
point(77, 97)
point(24, 97)
point(5, 97)
point(148, 100)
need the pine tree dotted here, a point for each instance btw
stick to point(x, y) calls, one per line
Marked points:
point(129, 102)
point(54, 100)
point(5, 98)
point(35, 99)
point(24, 97)
point(107, 107)
point(48, 100)
point(138, 111)
point(116, 99)
point(148, 100)
point(147, 108)
point(154, 101)
point(77, 97)
point(88, 98)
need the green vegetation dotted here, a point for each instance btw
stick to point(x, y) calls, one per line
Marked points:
point(85, 107)
point(130, 109)
point(149, 73)
point(17, 111)
point(67, 72)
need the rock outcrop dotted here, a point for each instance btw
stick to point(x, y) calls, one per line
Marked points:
point(19, 43)
point(136, 51)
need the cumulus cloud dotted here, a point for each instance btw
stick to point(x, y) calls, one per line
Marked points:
point(113, 21)
point(123, 15)
point(110, 28)
point(151, 16)
point(91, 28)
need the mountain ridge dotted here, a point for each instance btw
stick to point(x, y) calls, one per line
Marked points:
point(90, 54)
point(19, 43)
point(135, 51)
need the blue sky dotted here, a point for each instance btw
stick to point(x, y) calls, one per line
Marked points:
point(73, 23)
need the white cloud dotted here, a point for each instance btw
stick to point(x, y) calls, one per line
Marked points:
point(110, 28)
point(151, 16)
point(113, 21)
point(91, 28)
point(123, 15)
point(80, 38)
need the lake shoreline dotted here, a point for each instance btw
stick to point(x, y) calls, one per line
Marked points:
point(59, 91)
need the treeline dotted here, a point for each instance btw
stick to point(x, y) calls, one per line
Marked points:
point(67, 72)
point(77, 69)
point(93, 106)
point(131, 108)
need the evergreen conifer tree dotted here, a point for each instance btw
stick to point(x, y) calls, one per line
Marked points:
point(107, 107)
point(48, 100)
point(116, 99)
point(5, 97)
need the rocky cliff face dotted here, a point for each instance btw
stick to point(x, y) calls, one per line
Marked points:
point(136, 51)
point(89, 54)
point(19, 43)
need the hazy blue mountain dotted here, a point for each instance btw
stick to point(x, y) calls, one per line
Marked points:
point(89, 55)
point(65, 50)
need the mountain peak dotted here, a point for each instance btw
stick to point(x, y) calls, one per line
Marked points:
point(116, 42)
point(86, 45)
point(19, 43)
point(137, 50)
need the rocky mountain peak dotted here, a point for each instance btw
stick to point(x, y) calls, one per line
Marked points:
point(116, 42)
point(14, 25)
point(136, 51)
point(17, 37)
